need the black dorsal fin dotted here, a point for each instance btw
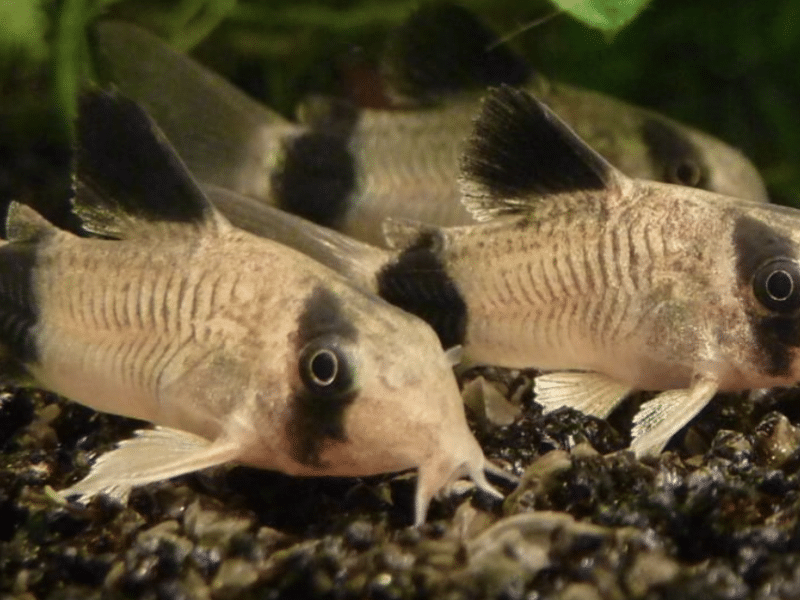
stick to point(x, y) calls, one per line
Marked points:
point(128, 179)
point(443, 48)
point(520, 151)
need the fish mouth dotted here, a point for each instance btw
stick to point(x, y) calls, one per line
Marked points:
point(435, 477)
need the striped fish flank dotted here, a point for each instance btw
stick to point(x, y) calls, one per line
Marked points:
point(237, 348)
point(610, 284)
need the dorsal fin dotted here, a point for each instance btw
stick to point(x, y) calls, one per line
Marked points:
point(24, 224)
point(443, 48)
point(129, 182)
point(519, 151)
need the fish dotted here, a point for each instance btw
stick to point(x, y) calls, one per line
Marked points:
point(348, 168)
point(604, 283)
point(236, 348)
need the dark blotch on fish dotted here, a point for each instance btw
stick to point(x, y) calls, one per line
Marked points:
point(417, 282)
point(316, 178)
point(152, 183)
point(464, 56)
point(323, 315)
point(518, 149)
point(777, 338)
point(677, 158)
point(319, 417)
point(755, 243)
point(18, 308)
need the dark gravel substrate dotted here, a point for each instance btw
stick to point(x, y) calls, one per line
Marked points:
point(714, 517)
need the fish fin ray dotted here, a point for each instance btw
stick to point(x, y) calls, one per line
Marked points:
point(589, 392)
point(153, 455)
point(129, 182)
point(520, 152)
point(444, 48)
point(661, 418)
point(24, 224)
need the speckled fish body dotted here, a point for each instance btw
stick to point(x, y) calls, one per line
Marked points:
point(640, 285)
point(419, 185)
point(609, 283)
point(350, 169)
point(240, 349)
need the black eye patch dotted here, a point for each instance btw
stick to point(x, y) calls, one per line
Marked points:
point(755, 244)
point(327, 374)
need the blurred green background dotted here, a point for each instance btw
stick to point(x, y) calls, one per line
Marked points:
point(728, 67)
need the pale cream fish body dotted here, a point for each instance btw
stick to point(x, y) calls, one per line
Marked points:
point(625, 285)
point(640, 285)
point(238, 348)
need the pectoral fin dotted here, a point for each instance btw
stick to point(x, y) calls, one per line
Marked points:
point(153, 455)
point(660, 418)
point(591, 393)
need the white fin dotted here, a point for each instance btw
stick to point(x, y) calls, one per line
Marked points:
point(660, 418)
point(455, 355)
point(402, 233)
point(591, 393)
point(153, 455)
point(24, 224)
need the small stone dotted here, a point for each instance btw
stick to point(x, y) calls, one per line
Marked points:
point(648, 570)
point(579, 591)
point(776, 440)
point(233, 576)
point(360, 535)
point(488, 404)
point(732, 446)
point(210, 528)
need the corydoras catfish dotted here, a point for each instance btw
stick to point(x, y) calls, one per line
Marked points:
point(350, 168)
point(610, 284)
point(238, 348)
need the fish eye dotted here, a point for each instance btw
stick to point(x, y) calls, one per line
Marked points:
point(686, 172)
point(776, 285)
point(326, 367)
point(323, 366)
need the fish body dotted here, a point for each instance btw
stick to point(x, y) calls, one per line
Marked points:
point(238, 348)
point(350, 168)
point(608, 284)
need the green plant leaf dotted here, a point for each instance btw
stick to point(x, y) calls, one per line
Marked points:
point(606, 15)
point(24, 28)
